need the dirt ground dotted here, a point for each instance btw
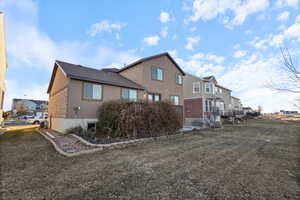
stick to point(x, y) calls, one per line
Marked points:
point(260, 160)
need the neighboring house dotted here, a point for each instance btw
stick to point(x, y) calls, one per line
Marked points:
point(237, 106)
point(28, 106)
point(203, 99)
point(291, 112)
point(247, 110)
point(76, 92)
point(3, 65)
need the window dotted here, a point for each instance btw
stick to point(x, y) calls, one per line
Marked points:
point(206, 106)
point(91, 126)
point(129, 94)
point(209, 87)
point(178, 79)
point(174, 100)
point(157, 73)
point(196, 87)
point(92, 91)
point(154, 97)
point(210, 106)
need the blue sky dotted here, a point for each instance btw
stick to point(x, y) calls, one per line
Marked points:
point(238, 41)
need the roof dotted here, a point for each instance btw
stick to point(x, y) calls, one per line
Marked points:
point(79, 72)
point(151, 57)
point(111, 69)
point(235, 98)
point(208, 77)
point(223, 87)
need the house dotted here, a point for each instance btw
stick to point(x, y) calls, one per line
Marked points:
point(76, 92)
point(237, 106)
point(3, 65)
point(247, 110)
point(204, 99)
point(28, 106)
point(286, 112)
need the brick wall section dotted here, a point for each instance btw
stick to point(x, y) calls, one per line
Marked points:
point(58, 97)
point(193, 108)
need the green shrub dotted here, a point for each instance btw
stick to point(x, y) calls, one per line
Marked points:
point(137, 119)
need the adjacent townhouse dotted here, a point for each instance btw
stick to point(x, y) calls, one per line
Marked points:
point(3, 65)
point(76, 92)
point(204, 100)
point(237, 106)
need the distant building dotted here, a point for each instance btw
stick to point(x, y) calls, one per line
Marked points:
point(29, 106)
point(286, 112)
point(3, 65)
point(247, 110)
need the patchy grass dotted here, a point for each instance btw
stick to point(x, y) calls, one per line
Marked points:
point(255, 161)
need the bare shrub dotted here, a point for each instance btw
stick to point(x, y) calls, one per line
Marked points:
point(137, 119)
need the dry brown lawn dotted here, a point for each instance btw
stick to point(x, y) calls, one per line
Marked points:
point(255, 161)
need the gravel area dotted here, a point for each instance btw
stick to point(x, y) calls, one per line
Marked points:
point(257, 161)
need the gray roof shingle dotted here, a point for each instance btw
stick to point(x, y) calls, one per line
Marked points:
point(108, 77)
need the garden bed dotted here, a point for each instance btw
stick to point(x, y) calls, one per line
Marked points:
point(110, 140)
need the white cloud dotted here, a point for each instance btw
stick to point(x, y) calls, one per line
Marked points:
point(249, 79)
point(239, 54)
point(260, 44)
point(283, 16)
point(152, 40)
point(298, 19)
point(30, 47)
point(164, 32)
point(191, 42)
point(290, 3)
point(210, 9)
point(104, 26)
point(164, 17)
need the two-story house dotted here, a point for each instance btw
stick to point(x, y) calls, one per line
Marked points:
point(76, 92)
point(3, 65)
point(204, 100)
point(237, 106)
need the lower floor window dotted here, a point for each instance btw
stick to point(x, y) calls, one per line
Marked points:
point(91, 126)
point(208, 106)
point(129, 94)
point(174, 100)
point(154, 97)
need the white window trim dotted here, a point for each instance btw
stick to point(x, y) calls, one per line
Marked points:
point(199, 86)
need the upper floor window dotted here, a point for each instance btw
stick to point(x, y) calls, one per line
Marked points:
point(129, 94)
point(92, 91)
point(157, 73)
point(154, 97)
point(220, 90)
point(209, 87)
point(174, 100)
point(178, 79)
point(196, 87)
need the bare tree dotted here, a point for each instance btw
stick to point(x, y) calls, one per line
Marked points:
point(289, 65)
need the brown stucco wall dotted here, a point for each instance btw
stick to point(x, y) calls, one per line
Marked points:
point(193, 108)
point(58, 97)
point(89, 108)
point(141, 74)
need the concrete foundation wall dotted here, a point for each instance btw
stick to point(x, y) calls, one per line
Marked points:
point(62, 124)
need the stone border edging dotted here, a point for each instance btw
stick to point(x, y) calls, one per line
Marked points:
point(65, 153)
point(100, 147)
point(127, 143)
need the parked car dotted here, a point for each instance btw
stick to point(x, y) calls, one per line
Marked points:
point(37, 120)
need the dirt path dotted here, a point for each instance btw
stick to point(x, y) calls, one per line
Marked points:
point(258, 161)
